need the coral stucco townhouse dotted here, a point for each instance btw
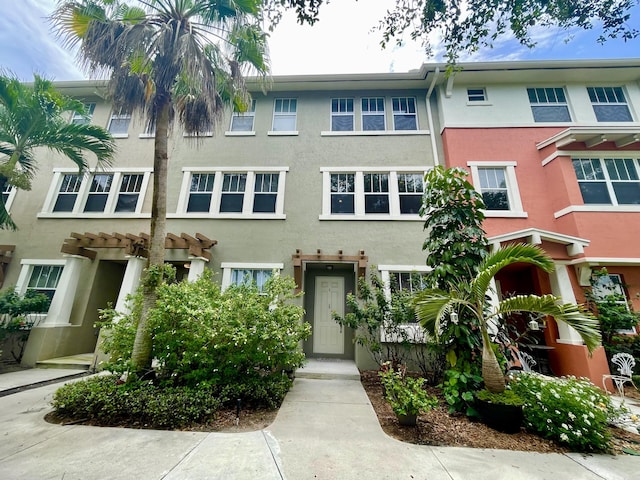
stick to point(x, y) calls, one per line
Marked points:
point(554, 148)
point(322, 180)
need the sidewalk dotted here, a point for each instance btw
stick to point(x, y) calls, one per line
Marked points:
point(326, 429)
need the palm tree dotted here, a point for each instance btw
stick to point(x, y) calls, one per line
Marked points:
point(435, 306)
point(33, 116)
point(167, 59)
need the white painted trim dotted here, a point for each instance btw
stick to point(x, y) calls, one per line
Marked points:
point(228, 266)
point(92, 215)
point(147, 135)
point(597, 208)
point(10, 198)
point(282, 133)
point(404, 268)
point(234, 169)
point(399, 169)
point(504, 214)
point(513, 191)
point(552, 157)
point(373, 133)
point(231, 133)
point(197, 135)
point(589, 129)
point(543, 234)
point(492, 163)
point(371, 216)
point(598, 261)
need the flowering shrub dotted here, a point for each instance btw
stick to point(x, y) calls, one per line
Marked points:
point(570, 410)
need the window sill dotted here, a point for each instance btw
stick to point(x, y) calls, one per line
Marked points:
point(147, 135)
point(120, 135)
point(415, 334)
point(373, 216)
point(193, 135)
point(483, 103)
point(232, 133)
point(373, 133)
point(230, 216)
point(282, 133)
point(504, 214)
point(92, 215)
point(597, 208)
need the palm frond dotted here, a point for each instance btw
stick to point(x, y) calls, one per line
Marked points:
point(573, 315)
point(434, 306)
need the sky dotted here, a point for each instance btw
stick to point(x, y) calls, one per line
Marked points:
point(343, 41)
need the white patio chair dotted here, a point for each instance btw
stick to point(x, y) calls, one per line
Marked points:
point(625, 363)
point(527, 361)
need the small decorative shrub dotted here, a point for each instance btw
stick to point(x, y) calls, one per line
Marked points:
point(406, 395)
point(570, 410)
point(508, 397)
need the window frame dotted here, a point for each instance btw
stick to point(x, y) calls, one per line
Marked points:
point(479, 97)
point(346, 113)
point(10, 191)
point(513, 191)
point(549, 104)
point(26, 271)
point(77, 119)
point(250, 113)
point(83, 193)
point(216, 194)
point(623, 292)
point(359, 193)
point(600, 103)
point(275, 131)
point(119, 116)
point(609, 183)
point(377, 113)
point(228, 267)
point(396, 113)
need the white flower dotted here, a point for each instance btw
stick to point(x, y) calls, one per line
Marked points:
point(571, 415)
point(564, 437)
point(565, 426)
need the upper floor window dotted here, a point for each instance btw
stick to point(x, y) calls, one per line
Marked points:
point(497, 183)
point(239, 193)
point(404, 113)
point(105, 192)
point(79, 119)
point(373, 117)
point(243, 121)
point(608, 181)
point(476, 95)
point(284, 114)
point(119, 124)
point(342, 116)
point(609, 104)
point(371, 193)
point(549, 104)
point(8, 194)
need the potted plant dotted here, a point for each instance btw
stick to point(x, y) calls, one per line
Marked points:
point(471, 299)
point(501, 411)
point(406, 395)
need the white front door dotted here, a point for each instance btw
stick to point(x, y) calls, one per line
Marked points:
point(328, 336)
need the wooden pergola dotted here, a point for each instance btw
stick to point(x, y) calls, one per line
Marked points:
point(361, 260)
point(82, 244)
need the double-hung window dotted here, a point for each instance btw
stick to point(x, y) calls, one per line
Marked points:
point(68, 193)
point(98, 192)
point(249, 273)
point(405, 116)
point(549, 104)
point(200, 192)
point(79, 119)
point(8, 194)
point(342, 193)
point(265, 193)
point(342, 116)
point(119, 124)
point(376, 193)
point(493, 186)
point(284, 114)
point(233, 186)
point(373, 117)
point(44, 279)
point(611, 287)
point(609, 104)
point(243, 121)
point(608, 181)
point(497, 183)
point(410, 189)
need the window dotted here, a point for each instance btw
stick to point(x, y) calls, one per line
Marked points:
point(371, 193)
point(8, 194)
point(609, 104)
point(493, 186)
point(498, 185)
point(410, 189)
point(376, 193)
point(44, 279)
point(79, 119)
point(248, 273)
point(373, 117)
point(604, 286)
point(404, 113)
point(404, 279)
point(342, 117)
point(235, 194)
point(608, 181)
point(243, 121)
point(549, 104)
point(411, 282)
point(475, 95)
point(284, 114)
point(96, 193)
point(119, 124)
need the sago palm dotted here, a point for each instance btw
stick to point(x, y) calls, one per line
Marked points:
point(169, 60)
point(36, 115)
point(435, 306)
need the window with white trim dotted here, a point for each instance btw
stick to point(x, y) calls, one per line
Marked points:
point(119, 124)
point(608, 181)
point(44, 279)
point(498, 185)
point(249, 273)
point(405, 115)
point(234, 194)
point(342, 116)
point(243, 121)
point(8, 194)
point(371, 193)
point(284, 114)
point(475, 95)
point(117, 192)
point(549, 104)
point(609, 104)
point(373, 116)
point(79, 119)
point(404, 279)
point(608, 285)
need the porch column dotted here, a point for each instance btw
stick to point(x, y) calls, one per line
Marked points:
point(62, 301)
point(197, 268)
point(130, 282)
point(562, 288)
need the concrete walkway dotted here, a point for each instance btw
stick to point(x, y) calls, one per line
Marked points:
point(326, 429)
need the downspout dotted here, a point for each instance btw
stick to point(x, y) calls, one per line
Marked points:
point(434, 147)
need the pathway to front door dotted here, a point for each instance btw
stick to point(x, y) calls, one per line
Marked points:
point(328, 336)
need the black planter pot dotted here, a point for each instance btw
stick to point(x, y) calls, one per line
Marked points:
point(407, 420)
point(504, 418)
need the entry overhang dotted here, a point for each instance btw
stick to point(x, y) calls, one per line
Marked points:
point(575, 245)
point(620, 136)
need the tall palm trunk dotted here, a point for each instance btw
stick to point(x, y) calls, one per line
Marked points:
point(141, 355)
point(491, 371)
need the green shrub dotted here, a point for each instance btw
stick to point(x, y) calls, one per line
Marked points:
point(266, 391)
point(508, 397)
point(406, 395)
point(106, 401)
point(569, 410)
